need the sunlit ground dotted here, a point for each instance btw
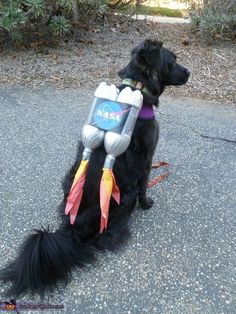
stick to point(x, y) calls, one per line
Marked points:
point(167, 4)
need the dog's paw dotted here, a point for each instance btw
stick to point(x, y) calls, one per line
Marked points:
point(146, 202)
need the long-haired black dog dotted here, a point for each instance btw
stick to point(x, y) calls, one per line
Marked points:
point(47, 257)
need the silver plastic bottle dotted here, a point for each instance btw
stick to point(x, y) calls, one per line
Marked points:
point(115, 143)
point(92, 136)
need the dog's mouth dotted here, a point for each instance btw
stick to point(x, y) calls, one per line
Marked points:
point(183, 81)
point(184, 78)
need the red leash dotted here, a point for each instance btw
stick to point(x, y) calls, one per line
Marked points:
point(160, 177)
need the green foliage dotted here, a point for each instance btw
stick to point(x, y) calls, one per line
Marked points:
point(35, 22)
point(20, 20)
point(12, 18)
point(36, 7)
point(12, 21)
point(59, 26)
point(214, 18)
point(102, 6)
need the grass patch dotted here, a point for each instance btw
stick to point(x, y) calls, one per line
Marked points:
point(147, 10)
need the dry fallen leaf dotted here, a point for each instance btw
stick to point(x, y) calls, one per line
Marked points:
point(36, 44)
point(57, 78)
point(185, 42)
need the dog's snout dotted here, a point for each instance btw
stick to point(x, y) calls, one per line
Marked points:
point(187, 72)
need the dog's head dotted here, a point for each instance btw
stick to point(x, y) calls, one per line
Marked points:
point(154, 66)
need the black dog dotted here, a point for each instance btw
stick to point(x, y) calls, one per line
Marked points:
point(46, 257)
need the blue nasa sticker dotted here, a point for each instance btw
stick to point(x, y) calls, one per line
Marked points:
point(109, 115)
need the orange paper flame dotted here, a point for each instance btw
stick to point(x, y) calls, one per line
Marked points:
point(108, 188)
point(76, 192)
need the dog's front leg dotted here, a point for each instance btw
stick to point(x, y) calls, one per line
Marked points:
point(148, 138)
point(145, 201)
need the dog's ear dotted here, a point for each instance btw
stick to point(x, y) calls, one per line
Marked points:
point(145, 66)
point(149, 53)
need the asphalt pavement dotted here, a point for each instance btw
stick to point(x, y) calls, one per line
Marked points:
point(181, 257)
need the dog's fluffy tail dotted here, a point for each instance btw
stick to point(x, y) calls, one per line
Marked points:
point(44, 259)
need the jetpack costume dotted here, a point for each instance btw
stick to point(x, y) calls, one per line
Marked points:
point(111, 121)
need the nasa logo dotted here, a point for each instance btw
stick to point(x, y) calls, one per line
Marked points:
point(108, 115)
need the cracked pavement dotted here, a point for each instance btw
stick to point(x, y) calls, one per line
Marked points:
point(181, 257)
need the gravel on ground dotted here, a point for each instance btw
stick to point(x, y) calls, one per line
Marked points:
point(98, 54)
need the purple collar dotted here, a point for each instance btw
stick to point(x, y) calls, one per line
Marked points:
point(146, 113)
